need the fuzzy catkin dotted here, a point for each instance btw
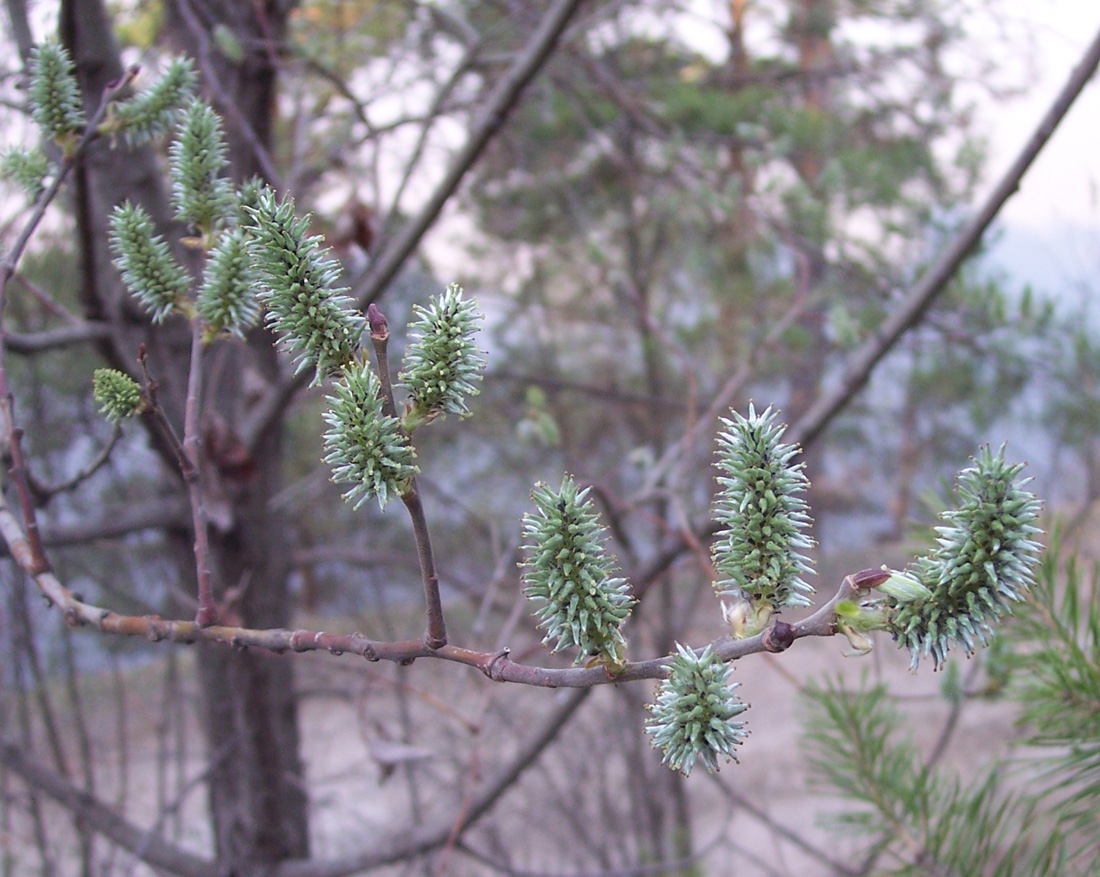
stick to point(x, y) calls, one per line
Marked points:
point(442, 362)
point(149, 270)
point(366, 448)
point(54, 95)
point(318, 323)
point(984, 562)
point(567, 571)
point(152, 111)
point(201, 196)
point(758, 553)
point(694, 717)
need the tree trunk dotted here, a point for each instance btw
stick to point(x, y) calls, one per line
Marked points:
point(257, 797)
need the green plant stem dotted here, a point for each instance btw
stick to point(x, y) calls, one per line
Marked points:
point(207, 612)
point(436, 636)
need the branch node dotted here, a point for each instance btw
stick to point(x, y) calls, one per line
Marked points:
point(432, 643)
point(490, 668)
point(779, 637)
point(363, 646)
point(303, 640)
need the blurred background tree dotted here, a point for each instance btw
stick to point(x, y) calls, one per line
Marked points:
point(687, 209)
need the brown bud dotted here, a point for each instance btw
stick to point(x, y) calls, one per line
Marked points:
point(379, 325)
point(779, 637)
point(870, 578)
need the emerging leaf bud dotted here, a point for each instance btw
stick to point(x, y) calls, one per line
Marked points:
point(904, 588)
point(118, 395)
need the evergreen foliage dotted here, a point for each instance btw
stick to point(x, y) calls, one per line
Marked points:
point(917, 820)
point(1053, 658)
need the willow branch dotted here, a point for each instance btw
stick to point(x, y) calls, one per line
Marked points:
point(207, 612)
point(385, 267)
point(863, 361)
point(501, 103)
point(497, 666)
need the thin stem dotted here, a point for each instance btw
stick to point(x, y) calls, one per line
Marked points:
point(935, 280)
point(437, 628)
point(46, 491)
point(207, 612)
point(156, 412)
point(436, 636)
point(22, 483)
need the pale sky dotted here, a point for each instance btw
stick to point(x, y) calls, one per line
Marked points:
point(1063, 186)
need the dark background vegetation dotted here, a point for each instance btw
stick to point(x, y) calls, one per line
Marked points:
point(689, 206)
